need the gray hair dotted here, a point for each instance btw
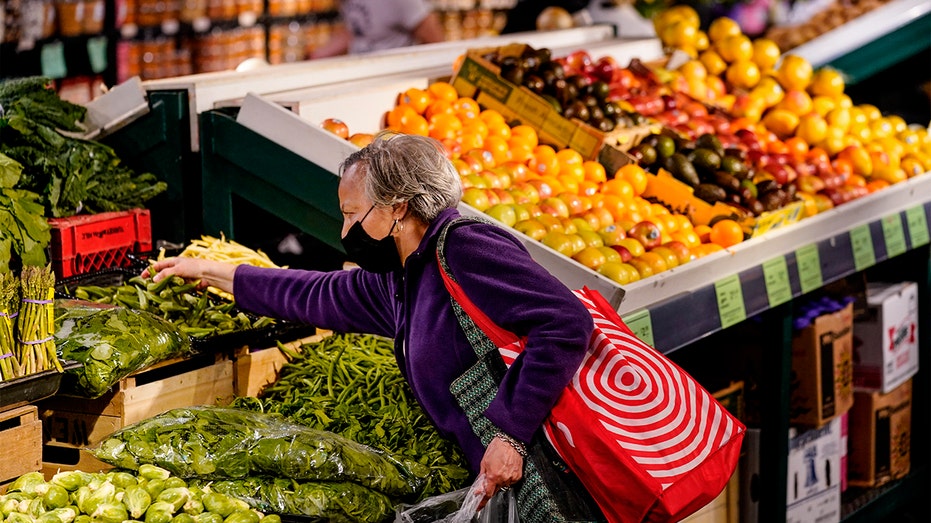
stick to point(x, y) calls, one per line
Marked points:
point(408, 168)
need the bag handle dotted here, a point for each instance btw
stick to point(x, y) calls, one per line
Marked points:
point(501, 337)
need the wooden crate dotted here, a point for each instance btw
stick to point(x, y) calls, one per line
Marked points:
point(21, 441)
point(71, 423)
point(256, 368)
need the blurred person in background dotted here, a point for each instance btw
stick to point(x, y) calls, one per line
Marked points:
point(525, 16)
point(376, 25)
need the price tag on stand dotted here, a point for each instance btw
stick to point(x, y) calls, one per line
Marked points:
point(97, 53)
point(809, 268)
point(917, 225)
point(862, 243)
point(53, 60)
point(641, 324)
point(776, 276)
point(730, 295)
point(893, 235)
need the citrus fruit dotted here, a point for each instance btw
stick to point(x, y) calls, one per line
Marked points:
point(781, 122)
point(794, 73)
point(714, 64)
point(722, 28)
point(812, 128)
point(336, 126)
point(591, 257)
point(734, 48)
point(635, 176)
point(443, 91)
point(766, 53)
point(726, 233)
point(827, 82)
point(743, 74)
point(418, 99)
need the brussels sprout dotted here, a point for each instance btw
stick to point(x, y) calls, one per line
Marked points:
point(122, 479)
point(71, 480)
point(27, 483)
point(155, 487)
point(242, 516)
point(183, 518)
point(219, 503)
point(8, 506)
point(137, 500)
point(208, 517)
point(193, 507)
point(271, 518)
point(110, 513)
point(58, 515)
point(17, 517)
point(152, 472)
point(175, 482)
point(36, 507)
point(83, 518)
point(105, 493)
point(56, 497)
point(176, 497)
point(158, 512)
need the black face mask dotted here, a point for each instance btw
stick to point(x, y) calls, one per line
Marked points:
point(373, 255)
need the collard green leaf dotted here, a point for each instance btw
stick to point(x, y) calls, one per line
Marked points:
point(10, 172)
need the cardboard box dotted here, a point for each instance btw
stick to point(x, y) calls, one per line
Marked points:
point(813, 475)
point(880, 436)
point(886, 340)
point(822, 369)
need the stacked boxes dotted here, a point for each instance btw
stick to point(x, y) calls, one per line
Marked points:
point(814, 471)
point(886, 340)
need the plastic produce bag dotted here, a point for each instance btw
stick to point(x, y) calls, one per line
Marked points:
point(461, 506)
point(227, 443)
point(111, 342)
point(335, 502)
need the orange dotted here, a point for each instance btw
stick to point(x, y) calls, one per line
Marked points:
point(594, 171)
point(526, 133)
point(693, 70)
point(467, 109)
point(439, 107)
point(839, 117)
point(743, 74)
point(490, 116)
point(501, 129)
point(445, 126)
point(635, 176)
point(498, 147)
point(705, 249)
point(768, 90)
point(519, 151)
point(336, 126)
point(703, 232)
point(823, 104)
point(689, 237)
point(399, 115)
point(416, 98)
point(569, 157)
point(680, 34)
point(714, 64)
point(871, 111)
point(574, 172)
point(812, 128)
point(443, 91)
point(765, 53)
point(471, 140)
point(590, 257)
point(797, 147)
point(781, 122)
point(827, 82)
point(722, 28)
point(859, 158)
point(618, 187)
point(656, 262)
point(794, 73)
point(734, 48)
point(544, 161)
point(415, 124)
point(796, 101)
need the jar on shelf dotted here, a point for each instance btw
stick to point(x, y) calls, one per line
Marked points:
point(193, 9)
point(125, 12)
point(251, 6)
point(93, 16)
point(70, 17)
point(147, 13)
point(49, 18)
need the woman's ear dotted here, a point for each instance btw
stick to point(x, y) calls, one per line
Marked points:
point(399, 211)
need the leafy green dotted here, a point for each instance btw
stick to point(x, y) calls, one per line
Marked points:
point(336, 502)
point(350, 384)
point(111, 342)
point(227, 443)
point(23, 228)
point(32, 97)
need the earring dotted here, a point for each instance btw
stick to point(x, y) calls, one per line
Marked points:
point(400, 225)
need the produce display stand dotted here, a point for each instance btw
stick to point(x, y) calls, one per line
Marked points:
point(873, 41)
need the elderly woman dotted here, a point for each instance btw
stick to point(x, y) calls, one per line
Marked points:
point(397, 195)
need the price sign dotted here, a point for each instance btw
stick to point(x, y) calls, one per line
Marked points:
point(776, 276)
point(809, 268)
point(917, 225)
point(97, 53)
point(894, 235)
point(862, 243)
point(641, 324)
point(53, 60)
point(730, 301)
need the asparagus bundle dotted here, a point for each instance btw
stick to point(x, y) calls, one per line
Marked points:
point(36, 322)
point(9, 294)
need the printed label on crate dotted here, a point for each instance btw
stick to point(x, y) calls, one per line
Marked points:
point(484, 80)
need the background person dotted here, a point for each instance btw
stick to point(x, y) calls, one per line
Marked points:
point(376, 25)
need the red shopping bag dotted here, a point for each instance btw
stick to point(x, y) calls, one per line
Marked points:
point(647, 441)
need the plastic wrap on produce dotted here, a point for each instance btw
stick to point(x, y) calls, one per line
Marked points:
point(112, 343)
point(227, 443)
point(461, 506)
point(326, 500)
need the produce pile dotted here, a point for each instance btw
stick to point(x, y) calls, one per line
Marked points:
point(749, 137)
point(27, 320)
point(45, 171)
point(260, 456)
point(350, 384)
point(151, 495)
point(111, 342)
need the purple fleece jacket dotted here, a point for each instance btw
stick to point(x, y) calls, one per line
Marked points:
point(413, 307)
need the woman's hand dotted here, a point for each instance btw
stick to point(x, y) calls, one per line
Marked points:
point(502, 466)
point(210, 273)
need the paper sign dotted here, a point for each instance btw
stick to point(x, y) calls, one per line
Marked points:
point(641, 324)
point(97, 53)
point(776, 276)
point(731, 307)
point(53, 60)
point(917, 225)
point(809, 268)
point(861, 241)
point(894, 235)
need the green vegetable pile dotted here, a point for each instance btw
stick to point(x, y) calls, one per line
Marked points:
point(225, 443)
point(191, 311)
point(111, 342)
point(152, 496)
point(350, 384)
point(23, 228)
point(26, 344)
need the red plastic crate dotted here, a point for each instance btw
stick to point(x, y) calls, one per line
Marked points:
point(93, 242)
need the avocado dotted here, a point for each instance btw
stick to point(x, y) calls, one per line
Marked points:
point(726, 181)
point(734, 165)
point(682, 169)
point(710, 193)
point(645, 153)
point(705, 159)
point(710, 141)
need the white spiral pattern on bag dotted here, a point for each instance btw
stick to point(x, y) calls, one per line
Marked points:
point(641, 398)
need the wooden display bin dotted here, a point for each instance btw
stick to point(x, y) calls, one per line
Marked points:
point(21, 438)
point(256, 368)
point(73, 424)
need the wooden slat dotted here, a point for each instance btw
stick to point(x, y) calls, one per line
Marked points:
point(21, 442)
